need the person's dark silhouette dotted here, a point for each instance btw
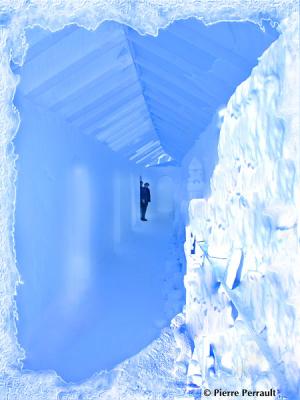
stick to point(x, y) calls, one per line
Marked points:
point(145, 198)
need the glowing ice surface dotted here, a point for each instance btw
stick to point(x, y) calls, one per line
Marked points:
point(266, 231)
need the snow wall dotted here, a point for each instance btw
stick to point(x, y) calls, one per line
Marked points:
point(261, 246)
point(242, 247)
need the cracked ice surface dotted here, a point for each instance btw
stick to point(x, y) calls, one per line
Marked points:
point(257, 228)
point(242, 281)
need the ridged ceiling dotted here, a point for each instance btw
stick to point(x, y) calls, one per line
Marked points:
point(146, 97)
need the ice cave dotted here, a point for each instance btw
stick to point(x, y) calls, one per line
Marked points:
point(193, 300)
point(99, 109)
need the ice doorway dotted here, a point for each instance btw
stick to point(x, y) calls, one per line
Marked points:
point(99, 109)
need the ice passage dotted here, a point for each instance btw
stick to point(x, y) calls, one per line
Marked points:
point(97, 109)
point(210, 116)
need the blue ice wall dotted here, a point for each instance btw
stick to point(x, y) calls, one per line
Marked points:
point(93, 292)
point(242, 243)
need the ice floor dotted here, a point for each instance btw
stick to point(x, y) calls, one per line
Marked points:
point(98, 282)
point(116, 317)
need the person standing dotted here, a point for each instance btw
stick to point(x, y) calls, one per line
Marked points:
point(145, 198)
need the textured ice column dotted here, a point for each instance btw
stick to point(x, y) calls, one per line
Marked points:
point(242, 247)
point(195, 182)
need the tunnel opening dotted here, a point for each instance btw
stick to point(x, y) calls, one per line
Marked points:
point(98, 109)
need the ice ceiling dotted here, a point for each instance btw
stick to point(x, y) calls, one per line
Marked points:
point(14, 19)
point(146, 97)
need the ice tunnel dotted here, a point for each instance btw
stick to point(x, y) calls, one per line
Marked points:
point(99, 109)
